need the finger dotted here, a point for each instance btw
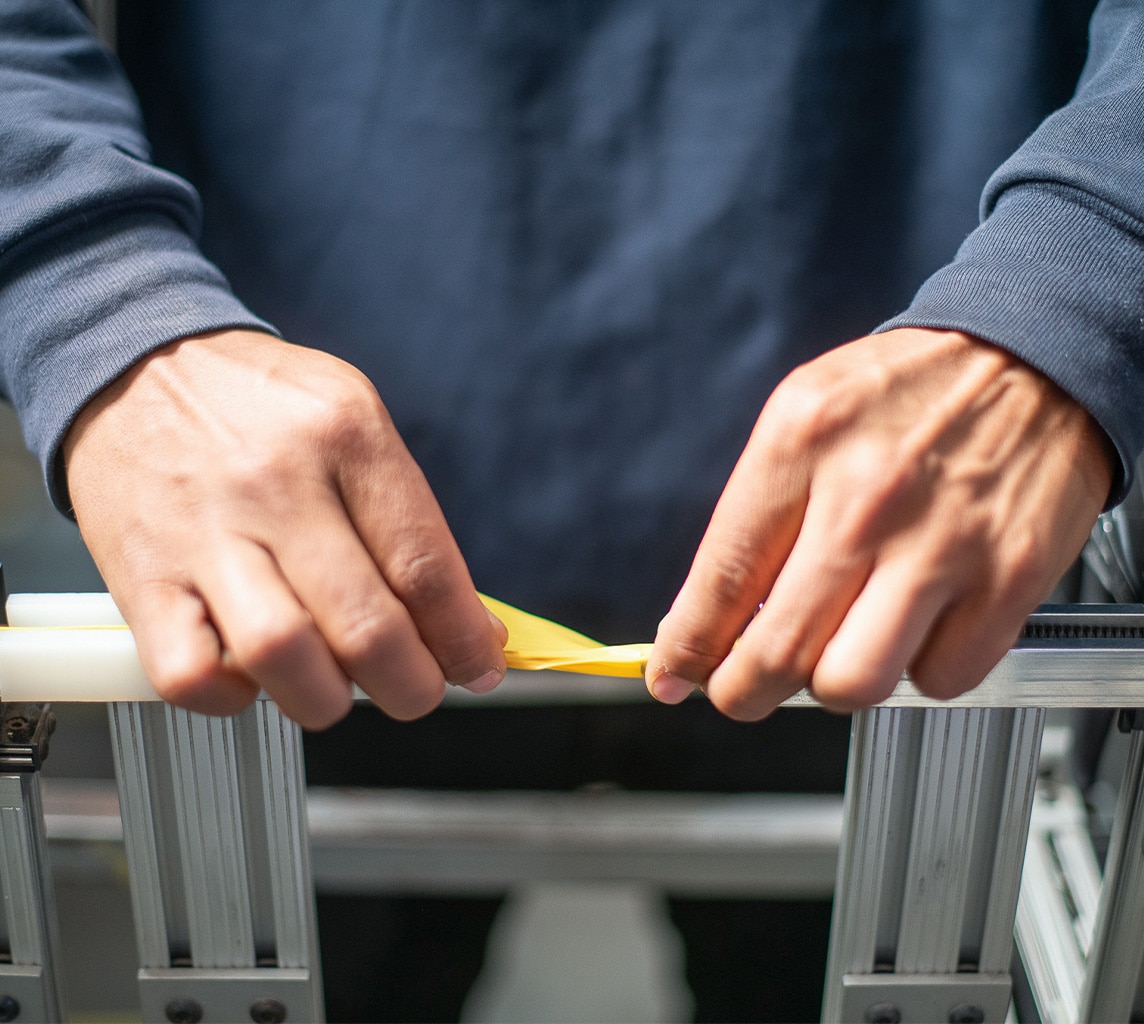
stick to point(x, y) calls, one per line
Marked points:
point(399, 522)
point(750, 535)
point(964, 646)
point(886, 626)
point(369, 633)
point(269, 635)
point(181, 653)
point(780, 648)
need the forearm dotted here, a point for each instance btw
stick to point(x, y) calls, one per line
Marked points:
point(1055, 272)
point(98, 264)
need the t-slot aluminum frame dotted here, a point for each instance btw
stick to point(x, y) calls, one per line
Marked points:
point(217, 847)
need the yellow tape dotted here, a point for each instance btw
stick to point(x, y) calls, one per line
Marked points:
point(535, 643)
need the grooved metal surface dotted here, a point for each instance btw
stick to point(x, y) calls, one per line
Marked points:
point(1024, 743)
point(211, 835)
point(1116, 956)
point(1060, 888)
point(29, 899)
point(19, 875)
point(280, 760)
point(876, 790)
point(139, 831)
point(937, 874)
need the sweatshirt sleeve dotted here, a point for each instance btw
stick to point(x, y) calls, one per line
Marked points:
point(98, 262)
point(1055, 271)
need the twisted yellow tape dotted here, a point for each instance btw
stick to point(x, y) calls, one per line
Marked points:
point(536, 643)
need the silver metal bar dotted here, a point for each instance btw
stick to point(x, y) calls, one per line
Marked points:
point(209, 820)
point(283, 794)
point(937, 872)
point(879, 786)
point(937, 806)
point(133, 770)
point(370, 840)
point(213, 813)
point(31, 980)
point(1060, 888)
point(762, 845)
point(1000, 906)
point(1116, 957)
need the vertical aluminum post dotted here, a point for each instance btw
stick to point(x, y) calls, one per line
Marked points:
point(217, 849)
point(936, 816)
point(30, 988)
point(1112, 985)
point(1060, 891)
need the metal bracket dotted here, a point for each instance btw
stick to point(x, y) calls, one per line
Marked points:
point(189, 996)
point(925, 998)
point(25, 730)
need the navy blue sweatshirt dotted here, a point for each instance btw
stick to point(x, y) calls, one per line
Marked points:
point(574, 244)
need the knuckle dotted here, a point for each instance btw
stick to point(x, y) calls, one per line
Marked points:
point(421, 578)
point(732, 575)
point(266, 643)
point(348, 420)
point(463, 659)
point(785, 655)
point(799, 414)
point(689, 650)
point(693, 655)
point(360, 638)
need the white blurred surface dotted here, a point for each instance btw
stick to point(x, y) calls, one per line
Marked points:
point(565, 953)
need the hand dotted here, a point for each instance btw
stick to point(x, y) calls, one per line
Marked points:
point(260, 524)
point(903, 503)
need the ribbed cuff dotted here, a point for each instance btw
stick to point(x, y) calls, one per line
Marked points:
point(81, 309)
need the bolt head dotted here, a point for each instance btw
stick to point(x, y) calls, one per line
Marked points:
point(267, 1011)
point(184, 1011)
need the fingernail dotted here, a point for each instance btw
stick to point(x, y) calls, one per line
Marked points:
point(482, 684)
point(669, 689)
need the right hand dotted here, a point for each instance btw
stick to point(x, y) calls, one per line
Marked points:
point(261, 525)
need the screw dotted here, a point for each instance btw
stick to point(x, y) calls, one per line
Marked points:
point(967, 1013)
point(9, 1008)
point(267, 1011)
point(883, 1013)
point(184, 1011)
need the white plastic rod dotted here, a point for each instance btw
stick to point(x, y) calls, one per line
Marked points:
point(63, 610)
point(44, 657)
point(71, 665)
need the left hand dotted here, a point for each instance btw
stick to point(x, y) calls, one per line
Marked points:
point(903, 503)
